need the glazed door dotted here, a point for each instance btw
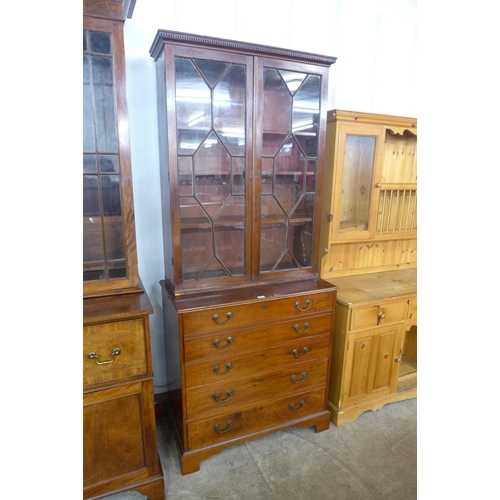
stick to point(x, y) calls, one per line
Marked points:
point(210, 137)
point(290, 113)
point(359, 150)
point(109, 248)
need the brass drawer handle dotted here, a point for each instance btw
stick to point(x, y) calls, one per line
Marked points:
point(305, 351)
point(294, 377)
point(228, 367)
point(215, 317)
point(306, 327)
point(217, 396)
point(217, 427)
point(292, 406)
point(114, 352)
point(228, 340)
point(308, 303)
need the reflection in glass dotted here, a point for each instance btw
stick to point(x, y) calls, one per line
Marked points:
point(102, 76)
point(229, 109)
point(193, 102)
point(88, 114)
point(109, 164)
point(277, 106)
point(357, 182)
point(306, 106)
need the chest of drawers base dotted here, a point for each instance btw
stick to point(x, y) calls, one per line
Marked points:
point(247, 363)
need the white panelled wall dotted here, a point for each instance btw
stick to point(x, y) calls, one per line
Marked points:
point(374, 41)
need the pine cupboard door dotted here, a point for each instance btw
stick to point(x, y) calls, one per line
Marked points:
point(358, 154)
point(372, 364)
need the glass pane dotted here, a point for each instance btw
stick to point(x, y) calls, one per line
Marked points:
point(100, 43)
point(306, 107)
point(290, 159)
point(196, 238)
point(211, 70)
point(238, 173)
point(185, 165)
point(89, 164)
point(212, 183)
point(91, 196)
point(229, 109)
point(357, 182)
point(93, 249)
point(229, 235)
point(88, 114)
point(111, 201)
point(109, 164)
point(113, 230)
point(102, 76)
point(277, 106)
point(193, 101)
point(292, 79)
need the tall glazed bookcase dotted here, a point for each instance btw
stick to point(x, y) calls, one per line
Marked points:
point(247, 319)
point(119, 428)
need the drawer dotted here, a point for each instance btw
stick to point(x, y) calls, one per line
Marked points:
point(230, 342)
point(378, 315)
point(263, 416)
point(236, 365)
point(220, 397)
point(230, 316)
point(117, 351)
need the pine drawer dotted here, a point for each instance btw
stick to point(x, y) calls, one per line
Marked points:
point(263, 416)
point(378, 315)
point(114, 351)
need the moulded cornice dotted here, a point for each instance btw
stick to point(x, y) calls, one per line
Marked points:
point(222, 43)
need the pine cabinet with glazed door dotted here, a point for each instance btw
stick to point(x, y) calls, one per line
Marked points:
point(369, 218)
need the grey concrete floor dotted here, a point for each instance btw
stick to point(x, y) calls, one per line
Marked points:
point(374, 458)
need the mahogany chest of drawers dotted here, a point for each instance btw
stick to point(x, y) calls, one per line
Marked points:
point(119, 427)
point(244, 363)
